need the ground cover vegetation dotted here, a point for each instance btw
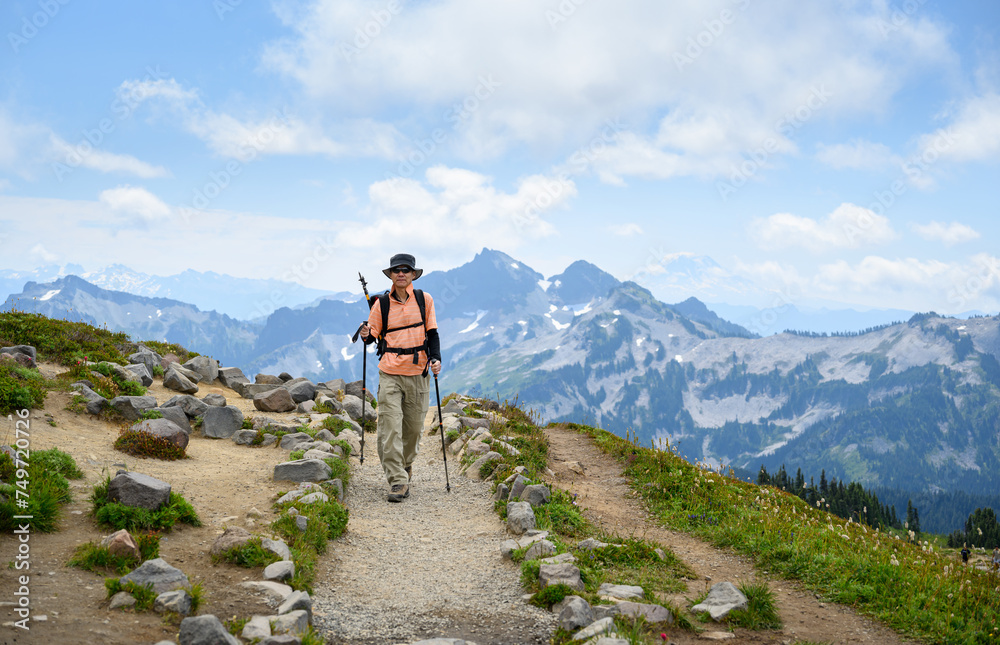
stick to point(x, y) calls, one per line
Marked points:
point(325, 521)
point(912, 587)
point(96, 557)
point(37, 488)
point(110, 514)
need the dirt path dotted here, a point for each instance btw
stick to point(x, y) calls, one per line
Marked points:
point(427, 567)
point(609, 502)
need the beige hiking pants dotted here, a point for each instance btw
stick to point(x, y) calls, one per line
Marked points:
point(402, 407)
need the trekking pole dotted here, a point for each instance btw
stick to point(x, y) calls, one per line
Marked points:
point(364, 366)
point(444, 451)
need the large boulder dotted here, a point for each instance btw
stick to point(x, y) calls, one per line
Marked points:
point(178, 602)
point(232, 537)
point(520, 517)
point(177, 415)
point(132, 407)
point(575, 613)
point(205, 630)
point(23, 350)
point(174, 380)
point(207, 367)
point(190, 375)
point(192, 405)
point(214, 399)
point(221, 423)
point(301, 391)
point(142, 373)
point(335, 384)
point(138, 490)
point(159, 574)
point(121, 544)
point(230, 376)
point(165, 429)
point(473, 472)
point(536, 494)
point(651, 613)
point(352, 406)
point(354, 389)
point(276, 400)
point(722, 598)
point(145, 357)
point(95, 402)
point(303, 470)
point(267, 379)
point(565, 573)
point(250, 390)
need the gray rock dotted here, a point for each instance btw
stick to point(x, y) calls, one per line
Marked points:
point(150, 359)
point(567, 574)
point(325, 435)
point(274, 590)
point(26, 350)
point(507, 547)
point(95, 402)
point(191, 405)
point(313, 498)
point(258, 627)
point(230, 376)
point(302, 522)
point(294, 622)
point(244, 437)
point(453, 407)
point(297, 600)
point(231, 538)
point(652, 613)
point(722, 598)
point(540, 549)
point(502, 494)
point(620, 592)
point(575, 613)
point(472, 422)
point(599, 626)
point(178, 416)
point(159, 574)
point(290, 441)
point(473, 471)
point(216, 400)
point(590, 544)
point(352, 406)
point(476, 447)
point(138, 490)
point(336, 384)
point(122, 599)
point(221, 423)
point(267, 379)
point(562, 558)
point(354, 389)
point(604, 611)
point(268, 440)
point(517, 486)
point(178, 601)
point(277, 547)
point(283, 570)
point(141, 372)
point(205, 630)
point(205, 367)
point(301, 391)
point(303, 470)
point(536, 494)
point(174, 380)
point(165, 429)
point(251, 390)
point(336, 487)
point(306, 407)
point(132, 407)
point(276, 400)
point(520, 517)
point(281, 639)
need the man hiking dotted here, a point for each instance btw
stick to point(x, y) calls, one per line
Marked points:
point(405, 325)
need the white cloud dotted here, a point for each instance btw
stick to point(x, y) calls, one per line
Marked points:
point(699, 93)
point(949, 234)
point(849, 226)
point(972, 135)
point(133, 200)
point(857, 154)
point(100, 160)
point(626, 230)
point(40, 252)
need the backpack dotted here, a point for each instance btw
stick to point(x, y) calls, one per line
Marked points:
point(383, 347)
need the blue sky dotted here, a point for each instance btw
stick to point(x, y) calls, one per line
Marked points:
point(832, 152)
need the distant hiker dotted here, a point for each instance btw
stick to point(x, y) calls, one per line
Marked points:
point(996, 558)
point(965, 554)
point(405, 325)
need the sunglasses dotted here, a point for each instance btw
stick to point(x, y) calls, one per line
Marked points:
point(400, 269)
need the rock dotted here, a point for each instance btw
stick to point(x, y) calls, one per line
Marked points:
point(285, 377)
point(610, 591)
point(575, 466)
point(291, 441)
point(352, 406)
point(297, 600)
point(336, 384)
point(302, 522)
point(191, 405)
point(453, 407)
point(244, 437)
point(652, 613)
point(473, 471)
point(205, 630)
point(354, 389)
point(540, 549)
point(283, 570)
point(253, 389)
point(141, 372)
point(177, 415)
point(277, 547)
point(205, 367)
point(132, 407)
point(476, 447)
point(216, 400)
point(95, 402)
point(531, 536)
point(294, 622)
point(567, 574)
point(336, 487)
point(149, 359)
point(502, 494)
point(305, 470)
point(268, 440)
point(159, 574)
point(562, 558)
point(722, 598)
point(276, 400)
point(520, 517)
point(306, 407)
point(22, 350)
point(602, 626)
point(122, 599)
point(536, 494)
point(174, 380)
point(605, 611)
point(258, 627)
point(121, 543)
point(230, 376)
point(281, 639)
point(232, 537)
point(590, 544)
point(138, 490)
point(267, 379)
point(313, 498)
point(517, 486)
point(291, 496)
point(325, 435)
point(507, 547)
point(301, 391)
point(164, 429)
point(274, 590)
point(472, 422)
point(178, 602)
point(221, 423)
point(574, 613)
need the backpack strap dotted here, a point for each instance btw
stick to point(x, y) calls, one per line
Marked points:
point(383, 347)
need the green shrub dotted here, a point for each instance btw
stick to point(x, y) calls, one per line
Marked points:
point(760, 613)
point(158, 371)
point(94, 557)
point(336, 425)
point(346, 447)
point(296, 454)
point(118, 516)
point(551, 595)
point(144, 595)
point(20, 387)
point(340, 469)
point(150, 414)
point(235, 625)
point(142, 444)
point(47, 489)
point(250, 554)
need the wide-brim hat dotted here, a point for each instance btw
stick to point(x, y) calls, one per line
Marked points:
point(403, 260)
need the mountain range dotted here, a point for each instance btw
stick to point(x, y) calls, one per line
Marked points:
point(913, 405)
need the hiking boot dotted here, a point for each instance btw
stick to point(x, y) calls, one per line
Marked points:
point(409, 472)
point(398, 493)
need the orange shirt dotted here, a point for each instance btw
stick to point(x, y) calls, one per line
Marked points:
point(401, 315)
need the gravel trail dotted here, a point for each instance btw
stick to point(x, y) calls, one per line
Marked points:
point(427, 567)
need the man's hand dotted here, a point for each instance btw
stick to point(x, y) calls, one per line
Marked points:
point(436, 367)
point(365, 331)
